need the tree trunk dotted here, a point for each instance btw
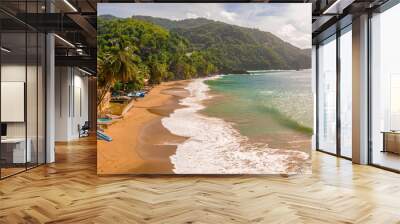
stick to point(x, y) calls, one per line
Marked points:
point(103, 98)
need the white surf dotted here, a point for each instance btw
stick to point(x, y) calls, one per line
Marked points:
point(215, 147)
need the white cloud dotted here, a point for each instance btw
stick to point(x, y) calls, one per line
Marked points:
point(228, 15)
point(289, 21)
point(287, 30)
point(190, 15)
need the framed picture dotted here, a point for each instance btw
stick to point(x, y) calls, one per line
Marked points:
point(205, 88)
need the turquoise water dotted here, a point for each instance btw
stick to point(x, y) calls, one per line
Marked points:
point(264, 103)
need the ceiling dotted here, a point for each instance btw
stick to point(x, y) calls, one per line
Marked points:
point(332, 15)
point(75, 21)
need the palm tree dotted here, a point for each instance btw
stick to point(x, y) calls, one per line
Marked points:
point(118, 63)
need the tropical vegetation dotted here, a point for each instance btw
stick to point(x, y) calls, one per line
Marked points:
point(139, 50)
point(131, 52)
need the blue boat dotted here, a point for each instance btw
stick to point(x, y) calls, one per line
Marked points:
point(137, 94)
point(103, 136)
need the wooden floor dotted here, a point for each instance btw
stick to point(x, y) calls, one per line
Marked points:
point(387, 159)
point(69, 191)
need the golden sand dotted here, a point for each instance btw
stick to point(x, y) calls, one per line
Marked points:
point(141, 145)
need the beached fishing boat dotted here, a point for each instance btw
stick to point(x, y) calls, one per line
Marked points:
point(136, 94)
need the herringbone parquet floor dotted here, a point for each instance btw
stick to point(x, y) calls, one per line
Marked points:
point(69, 191)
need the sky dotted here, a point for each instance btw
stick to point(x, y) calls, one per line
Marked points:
point(289, 21)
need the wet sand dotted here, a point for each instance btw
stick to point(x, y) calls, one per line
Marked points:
point(141, 145)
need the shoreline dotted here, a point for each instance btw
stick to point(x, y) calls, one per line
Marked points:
point(166, 133)
point(231, 152)
point(141, 145)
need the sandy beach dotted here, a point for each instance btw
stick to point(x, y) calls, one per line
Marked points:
point(164, 133)
point(140, 142)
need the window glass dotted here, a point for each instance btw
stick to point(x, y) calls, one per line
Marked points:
point(385, 89)
point(327, 96)
point(346, 92)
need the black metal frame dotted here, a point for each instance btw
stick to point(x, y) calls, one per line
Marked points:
point(44, 70)
point(338, 98)
point(316, 97)
point(369, 90)
point(338, 152)
point(0, 88)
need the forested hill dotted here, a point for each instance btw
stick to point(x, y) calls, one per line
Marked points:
point(235, 47)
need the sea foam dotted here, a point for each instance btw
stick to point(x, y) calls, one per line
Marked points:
point(215, 147)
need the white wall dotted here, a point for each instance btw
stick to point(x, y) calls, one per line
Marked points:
point(14, 72)
point(71, 102)
point(61, 113)
point(80, 111)
point(33, 127)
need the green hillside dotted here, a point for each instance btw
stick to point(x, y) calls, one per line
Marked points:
point(237, 48)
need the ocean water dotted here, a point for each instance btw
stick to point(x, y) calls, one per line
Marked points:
point(216, 146)
point(265, 102)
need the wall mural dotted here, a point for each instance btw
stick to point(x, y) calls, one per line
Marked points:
point(204, 88)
